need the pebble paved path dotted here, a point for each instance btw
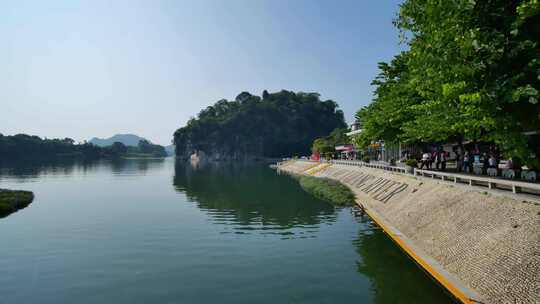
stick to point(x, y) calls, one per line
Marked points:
point(489, 242)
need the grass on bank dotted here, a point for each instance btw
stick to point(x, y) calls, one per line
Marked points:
point(13, 200)
point(328, 190)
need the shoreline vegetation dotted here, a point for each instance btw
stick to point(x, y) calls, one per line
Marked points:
point(14, 200)
point(328, 190)
point(23, 147)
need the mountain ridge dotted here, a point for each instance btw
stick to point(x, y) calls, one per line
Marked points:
point(127, 139)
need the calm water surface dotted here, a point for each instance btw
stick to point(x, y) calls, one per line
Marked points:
point(150, 231)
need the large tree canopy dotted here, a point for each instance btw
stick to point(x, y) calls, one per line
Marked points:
point(472, 72)
point(278, 124)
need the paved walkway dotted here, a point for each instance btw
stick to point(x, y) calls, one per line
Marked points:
point(490, 243)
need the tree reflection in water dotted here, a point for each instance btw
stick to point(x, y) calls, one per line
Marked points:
point(33, 169)
point(381, 259)
point(251, 197)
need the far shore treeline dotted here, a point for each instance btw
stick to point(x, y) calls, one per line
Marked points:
point(471, 73)
point(272, 125)
point(22, 146)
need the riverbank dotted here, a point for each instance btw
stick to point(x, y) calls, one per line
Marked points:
point(328, 190)
point(13, 200)
point(483, 244)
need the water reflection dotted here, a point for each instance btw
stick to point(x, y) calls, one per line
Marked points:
point(252, 198)
point(88, 237)
point(381, 260)
point(136, 166)
point(29, 170)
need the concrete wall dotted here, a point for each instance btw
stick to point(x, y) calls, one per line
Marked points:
point(488, 242)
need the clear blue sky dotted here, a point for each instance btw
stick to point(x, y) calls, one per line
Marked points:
point(81, 69)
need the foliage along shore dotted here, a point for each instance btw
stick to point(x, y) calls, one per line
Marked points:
point(23, 146)
point(13, 200)
point(471, 73)
point(328, 190)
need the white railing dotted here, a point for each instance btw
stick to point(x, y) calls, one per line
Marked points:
point(369, 165)
point(492, 183)
point(516, 186)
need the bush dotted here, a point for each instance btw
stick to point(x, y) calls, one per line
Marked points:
point(11, 201)
point(411, 163)
point(5, 208)
point(365, 159)
point(328, 190)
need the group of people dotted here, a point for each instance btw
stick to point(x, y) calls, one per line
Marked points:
point(465, 161)
point(438, 157)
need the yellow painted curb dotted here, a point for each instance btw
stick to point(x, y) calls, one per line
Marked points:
point(311, 167)
point(317, 170)
point(455, 291)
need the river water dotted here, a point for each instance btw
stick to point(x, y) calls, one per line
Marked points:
point(152, 231)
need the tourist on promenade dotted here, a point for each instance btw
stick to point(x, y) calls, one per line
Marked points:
point(466, 164)
point(509, 164)
point(459, 161)
point(437, 157)
point(492, 162)
point(443, 157)
point(425, 161)
point(485, 161)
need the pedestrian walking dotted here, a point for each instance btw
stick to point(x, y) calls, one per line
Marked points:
point(443, 160)
point(425, 161)
point(466, 162)
point(459, 160)
point(431, 160)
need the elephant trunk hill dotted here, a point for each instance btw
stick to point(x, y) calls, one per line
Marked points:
point(250, 127)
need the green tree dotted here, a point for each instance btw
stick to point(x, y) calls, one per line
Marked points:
point(280, 124)
point(326, 145)
point(472, 72)
point(147, 147)
point(119, 148)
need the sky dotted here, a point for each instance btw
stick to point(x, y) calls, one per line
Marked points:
point(84, 69)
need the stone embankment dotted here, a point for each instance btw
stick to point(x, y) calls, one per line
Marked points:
point(487, 245)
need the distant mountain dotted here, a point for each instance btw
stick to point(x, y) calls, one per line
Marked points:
point(126, 139)
point(170, 150)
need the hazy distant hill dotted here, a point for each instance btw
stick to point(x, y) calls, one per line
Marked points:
point(126, 139)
